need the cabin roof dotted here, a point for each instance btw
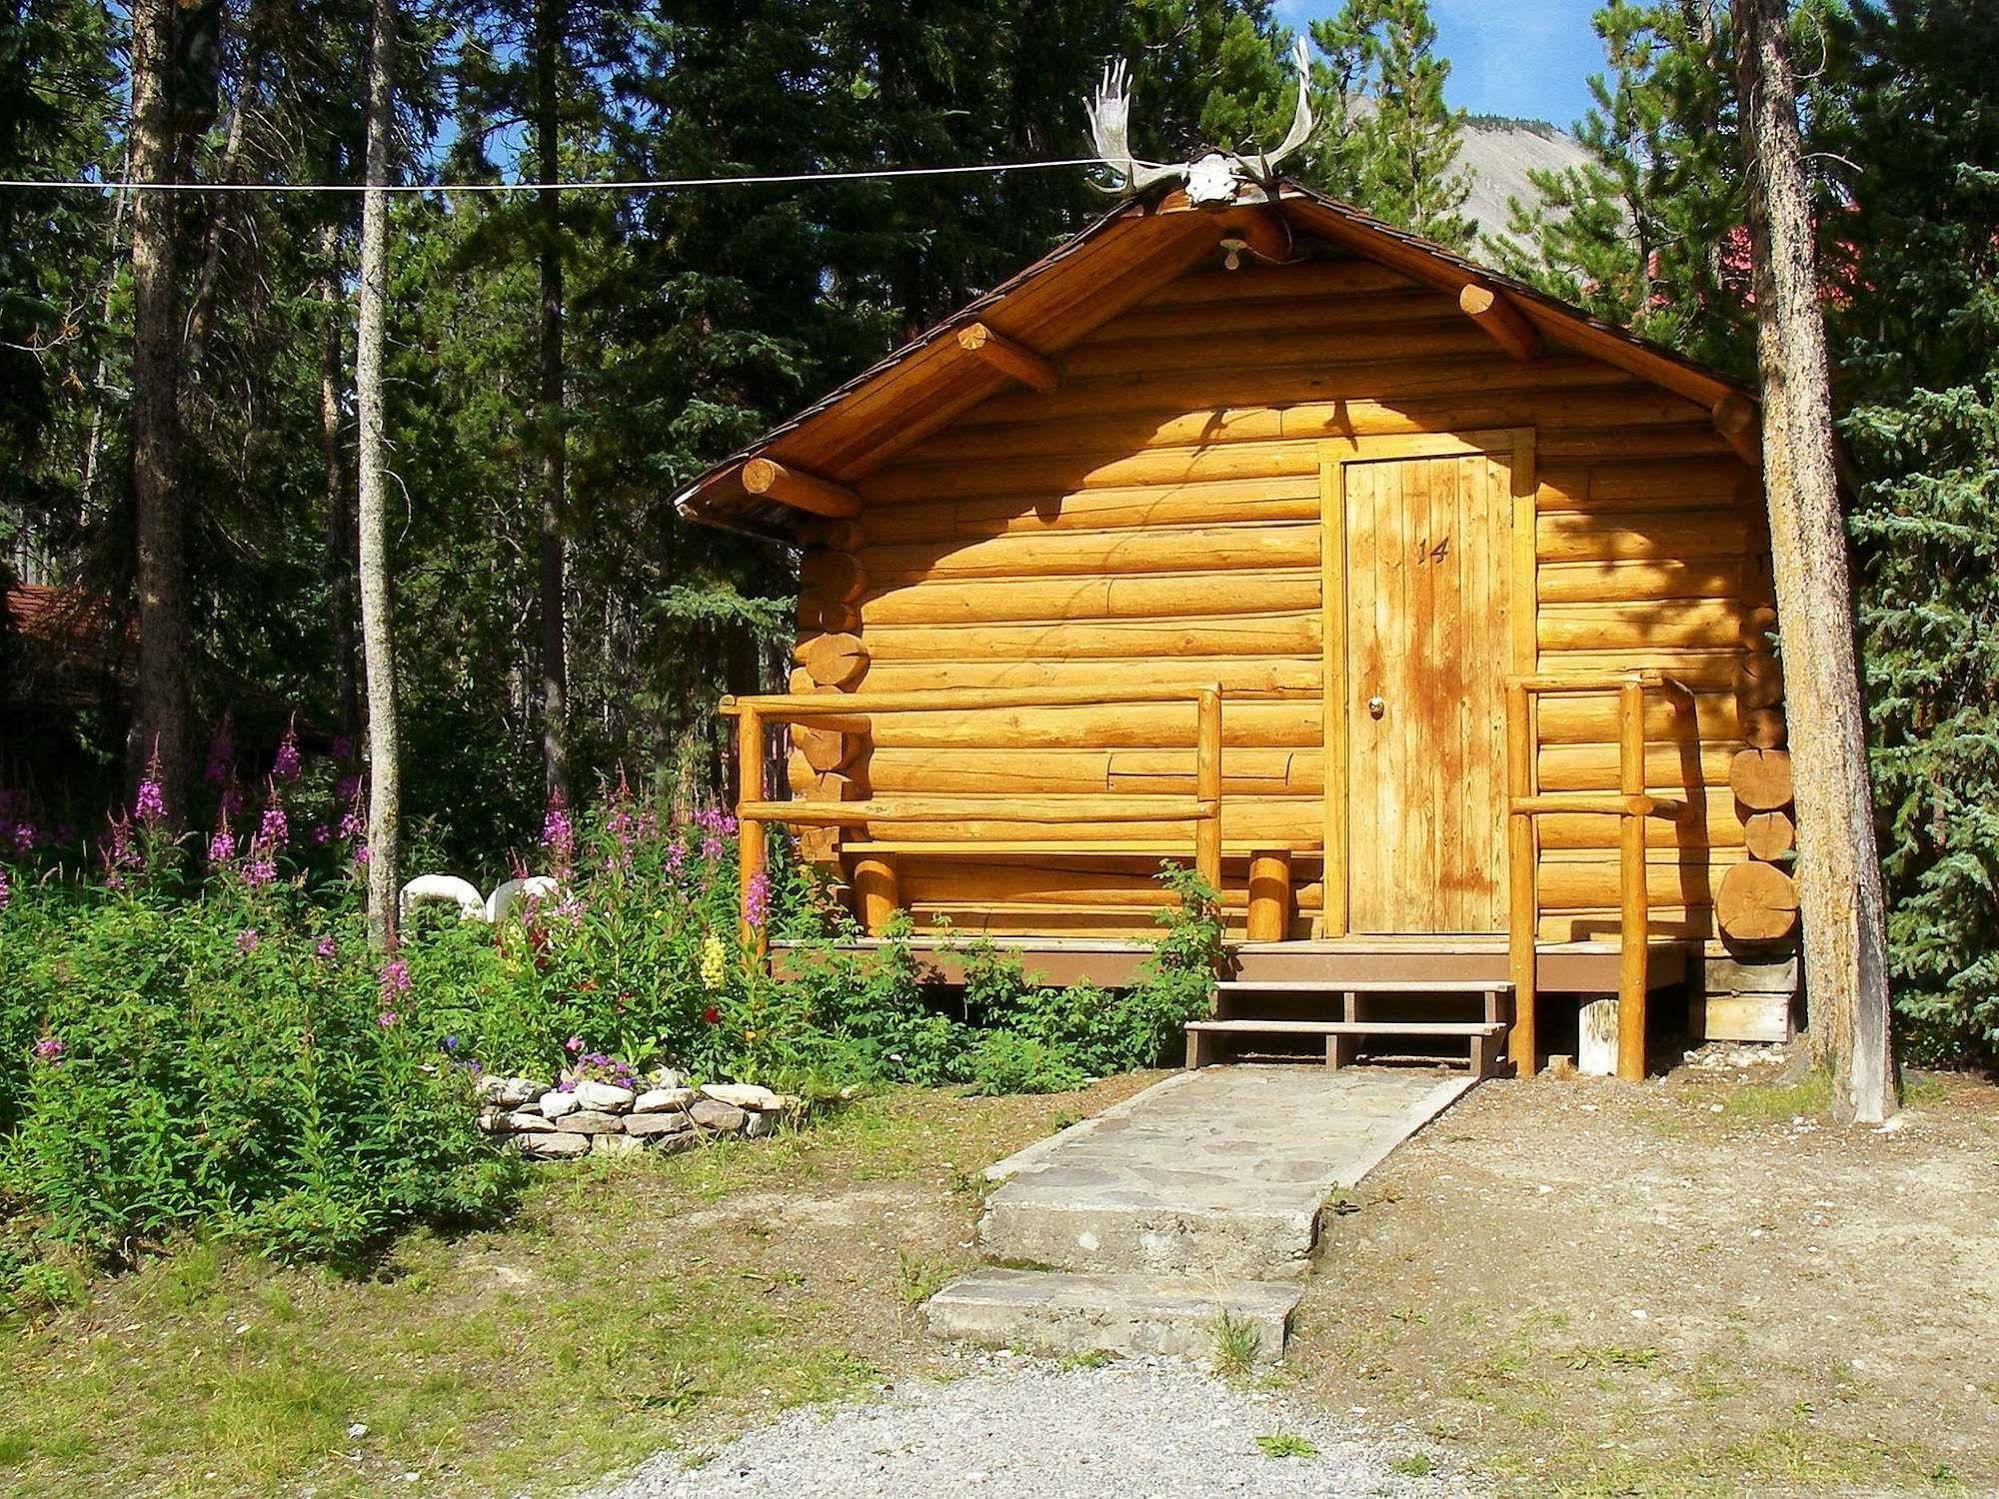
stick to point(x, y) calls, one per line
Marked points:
point(1109, 266)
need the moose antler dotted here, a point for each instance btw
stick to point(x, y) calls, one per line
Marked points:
point(1110, 132)
point(1264, 168)
point(1110, 113)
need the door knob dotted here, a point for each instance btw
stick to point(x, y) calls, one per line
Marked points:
point(1376, 707)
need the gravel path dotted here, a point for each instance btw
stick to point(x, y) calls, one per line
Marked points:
point(1016, 1426)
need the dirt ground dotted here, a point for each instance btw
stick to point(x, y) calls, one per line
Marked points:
point(1694, 1285)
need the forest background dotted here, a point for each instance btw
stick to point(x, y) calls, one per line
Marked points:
point(559, 365)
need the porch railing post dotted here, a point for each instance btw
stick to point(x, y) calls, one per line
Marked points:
point(1523, 914)
point(1634, 923)
point(749, 831)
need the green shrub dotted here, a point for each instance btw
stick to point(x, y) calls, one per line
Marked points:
point(1003, 1062)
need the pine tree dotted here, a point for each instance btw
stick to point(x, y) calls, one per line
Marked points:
point(1648, 233)
point(1390, 143)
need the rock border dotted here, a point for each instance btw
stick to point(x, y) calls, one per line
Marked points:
point(540, 1121)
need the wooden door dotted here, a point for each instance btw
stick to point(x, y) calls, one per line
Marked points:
point(1429, 642)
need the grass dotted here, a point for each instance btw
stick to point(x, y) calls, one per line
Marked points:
point(1778, 1103)
point(1237, 1345)
point(1286, 1444)
point(632, 1306)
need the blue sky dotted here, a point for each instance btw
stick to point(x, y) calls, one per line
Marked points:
point(1530, 58)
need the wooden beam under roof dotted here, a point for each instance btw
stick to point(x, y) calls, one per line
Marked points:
point(799, 489)
point(1735, 418)
point(1012, 359)
point(1499, 319)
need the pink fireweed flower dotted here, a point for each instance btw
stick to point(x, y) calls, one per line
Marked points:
point(321, 835)
point(6, 890)
point(387, 1019)
point(259, 869)
point(325, 949)
point(247, 941)
point(756, 902)
point(361, 856)
point(284, 767)
point(394, 982)
point(150, 804)
point(558, 837)
point(573, 1045)
point(49, 1049)
point(273, 831)
point(231, 800)
point(22, 835)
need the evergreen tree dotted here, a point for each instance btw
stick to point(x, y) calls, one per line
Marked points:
point(1390, 143)
point(1648, 234)
point(1917, 345)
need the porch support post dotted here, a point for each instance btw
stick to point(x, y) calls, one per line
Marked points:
point(749, 832)
point(1269, 896)
point(1523, 915)
point(1634, 924)
point(1208, 785)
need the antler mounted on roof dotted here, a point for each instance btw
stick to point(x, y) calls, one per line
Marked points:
point(1215, 176)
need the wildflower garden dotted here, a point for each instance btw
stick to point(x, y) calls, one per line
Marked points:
point(199, 1039)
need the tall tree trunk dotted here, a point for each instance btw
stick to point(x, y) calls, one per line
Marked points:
point(1839, 871)
point(201, 316)
point(339, 512)
point(159, 702)
point(377, 614)
point(548, 19)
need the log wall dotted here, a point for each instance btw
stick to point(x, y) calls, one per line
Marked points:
point(1156, 519)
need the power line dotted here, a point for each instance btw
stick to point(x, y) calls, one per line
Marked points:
point(668, 184)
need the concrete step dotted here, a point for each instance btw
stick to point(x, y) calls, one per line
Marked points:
point(1050, 1312)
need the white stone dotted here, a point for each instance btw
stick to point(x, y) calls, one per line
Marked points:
point(551, 1147)
point(760, 1125)
point(724, 1118)
point(526, 1122)
point(607, 1097)
point(652, 1126)
point(666, 1077)
point(590, 1122)
point(510, 892)
point(742, 1095)
point(659, 1100)
point(555, 1103)
point(509, 1092)
point(441, 889)
point(615, 1145)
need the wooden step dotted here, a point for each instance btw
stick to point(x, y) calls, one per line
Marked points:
point(1367, 986)
point(1343, 1037)
point(1350, 1027)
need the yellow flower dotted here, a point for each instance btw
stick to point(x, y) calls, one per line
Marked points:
point(749, 1036)
point(714, 963)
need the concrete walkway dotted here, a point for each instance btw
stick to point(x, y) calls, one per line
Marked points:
point(1200, 1198)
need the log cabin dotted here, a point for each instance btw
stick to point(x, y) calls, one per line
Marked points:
point(1428, 616)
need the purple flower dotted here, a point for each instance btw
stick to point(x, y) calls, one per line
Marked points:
point(231, 801)
point(321, 835)
point(558, 837)
point(352, 824)
point(49, 1049)
point(451, 1043)
point(222, 847)
point(285, 766)
point(361, 856)
point(6, 890)
point(394, 981)
point(260, 869)
point(150, 805)
point(247, 940)
point(756, 901)
point(325, 949)
point(273, 831)
point(387, 1019)
point(23, 835)
point(349, 789)
point(573, 1045)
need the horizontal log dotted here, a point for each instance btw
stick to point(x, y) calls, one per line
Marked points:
point(1710, 822)
point(1600, 804)
point(1660, 535)
point(1569, 881)
point(1255, 283)
point(1761, 779)
point(1693, 440)
point(1330, 376)
point(823, 749)
point(1215, 502)
point(1164, 549)
point(1593, 720)
point(1232, 635)
point(1104, 437)
point(1759, 681)
point(1764, 728)
point(1271, 821)
point(948, 811)
point(810, 784)
point(1245, 771)
point(1758, 903)
point(1236, 315)
point(837, 660)
point(1600, 924)
point(1239, 677)
point(1257, 348)
point(1169, 596)
point(1054, 475)
point(1669, 768)
point(836, 577)
point(1059, 884)
point(784, 708)
point(1143, 726)
point(799, 489)
point(1658, 579)
point(1681, 622)
point(1016, 361)
point(1703, 669)
point(1769, 835)
point(1651, 484)
point(1499, 319)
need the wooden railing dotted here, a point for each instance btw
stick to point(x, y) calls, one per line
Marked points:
point(852, 713)
point(1630, 804)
